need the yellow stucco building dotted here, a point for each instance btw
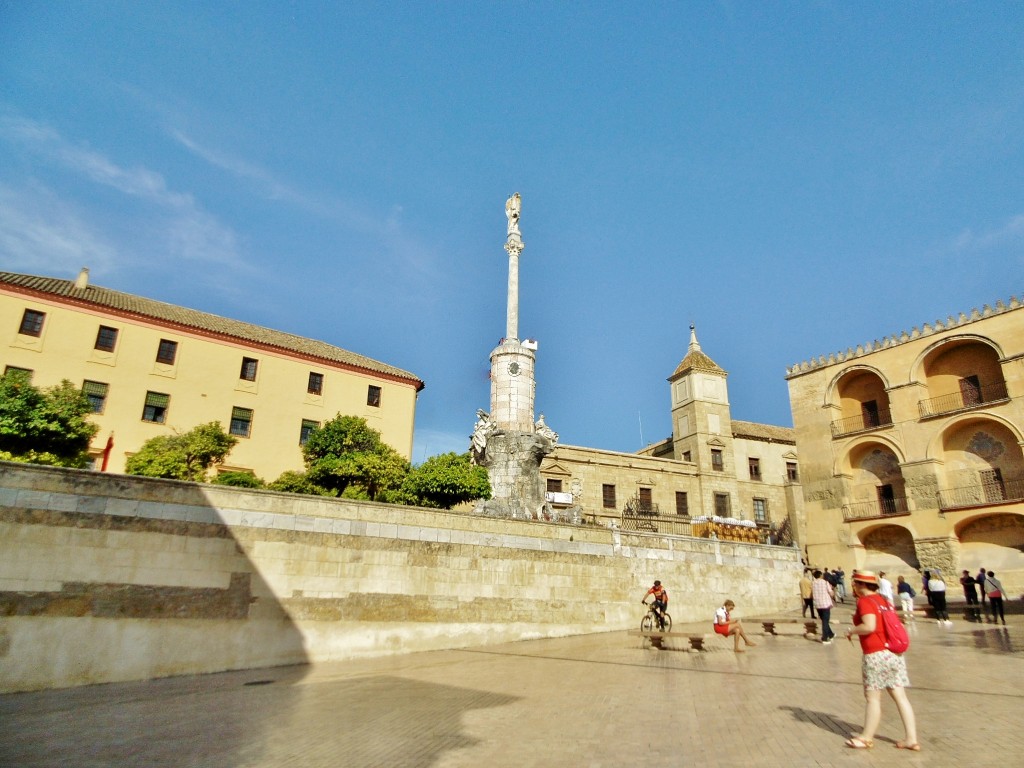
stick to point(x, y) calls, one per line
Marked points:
point(713, 476)
point(912, 449)
point(151, 368)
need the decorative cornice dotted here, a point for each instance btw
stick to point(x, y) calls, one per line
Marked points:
point(887, 342)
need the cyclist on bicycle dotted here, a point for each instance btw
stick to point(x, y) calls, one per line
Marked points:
point(660, 601)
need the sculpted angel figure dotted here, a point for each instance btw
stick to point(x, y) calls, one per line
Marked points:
point(513, 206)
point(542, 429)
point(483, 429)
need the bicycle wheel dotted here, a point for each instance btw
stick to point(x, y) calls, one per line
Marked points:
point(667, 621)
point(647, 623)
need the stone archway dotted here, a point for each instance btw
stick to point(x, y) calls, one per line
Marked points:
point(889, 548)
point(995, 542)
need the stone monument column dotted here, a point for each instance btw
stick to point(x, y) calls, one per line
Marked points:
point(506, 440)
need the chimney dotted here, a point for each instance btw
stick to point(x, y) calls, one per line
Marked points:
point(82, 281)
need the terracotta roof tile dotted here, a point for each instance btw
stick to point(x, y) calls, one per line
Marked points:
point(201, 321)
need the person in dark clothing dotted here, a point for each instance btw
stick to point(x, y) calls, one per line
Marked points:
point(970, 588)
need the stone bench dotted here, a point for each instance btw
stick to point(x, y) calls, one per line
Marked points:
point(810, 626)
point(656, 638)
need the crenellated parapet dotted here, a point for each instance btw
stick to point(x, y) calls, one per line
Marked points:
point(928, 329)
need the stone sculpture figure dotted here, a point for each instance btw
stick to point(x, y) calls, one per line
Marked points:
point(542, 429)
point(513, 207)
point(482, 430)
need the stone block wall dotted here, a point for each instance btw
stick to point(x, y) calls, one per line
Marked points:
point(108, 577)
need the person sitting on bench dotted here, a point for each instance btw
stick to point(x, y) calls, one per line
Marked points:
point(726, 626)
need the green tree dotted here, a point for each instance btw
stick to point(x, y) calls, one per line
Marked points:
point(187, 456)
point(347, 457)
point(238, 480)
point(44, 426)
point(297, 482)
point(446, 480)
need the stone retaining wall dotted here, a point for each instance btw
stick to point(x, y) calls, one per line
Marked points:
point(108, 577)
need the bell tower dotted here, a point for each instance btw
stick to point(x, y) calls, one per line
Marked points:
point(701, 421)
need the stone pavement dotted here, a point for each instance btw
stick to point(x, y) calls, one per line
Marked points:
point(597, 700)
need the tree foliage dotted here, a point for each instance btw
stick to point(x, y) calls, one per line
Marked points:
point(44, 426)
point(446, 480)
point(297, 482)
point(238, 480)
point(347, 457)
point(186, 456)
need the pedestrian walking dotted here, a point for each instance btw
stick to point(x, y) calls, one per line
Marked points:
point(822, 593)
point(995, 597)
point(805, 592)
point(937, 590)
point(906, 594)
point(840, 584)
point(885, 588)
point(881, 669)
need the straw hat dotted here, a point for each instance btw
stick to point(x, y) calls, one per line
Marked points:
point(865, 577)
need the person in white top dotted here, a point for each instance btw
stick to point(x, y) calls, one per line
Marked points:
point(937, 590)
point(885, 589)
point(725, 625)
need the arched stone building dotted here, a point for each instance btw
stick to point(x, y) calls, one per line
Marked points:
point(911, 449)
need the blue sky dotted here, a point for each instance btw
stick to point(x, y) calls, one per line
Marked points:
point(793, 178)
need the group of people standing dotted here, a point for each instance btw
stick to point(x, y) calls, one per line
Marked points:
point(820, 588)
point(989, 586)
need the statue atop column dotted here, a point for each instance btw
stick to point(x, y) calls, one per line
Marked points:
point(513, 207)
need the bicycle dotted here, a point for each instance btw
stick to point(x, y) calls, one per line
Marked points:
point(652, 619)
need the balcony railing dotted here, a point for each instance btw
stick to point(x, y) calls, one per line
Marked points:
point(869, 510)
point(861, 423)
point(986, 394)
point(982, 494)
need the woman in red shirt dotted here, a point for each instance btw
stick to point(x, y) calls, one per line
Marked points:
point(881, 669)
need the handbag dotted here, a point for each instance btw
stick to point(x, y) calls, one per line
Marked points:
point(993, 592)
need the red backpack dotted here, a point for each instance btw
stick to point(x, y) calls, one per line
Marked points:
point(896, 638)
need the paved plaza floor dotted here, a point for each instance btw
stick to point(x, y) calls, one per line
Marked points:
point(597, 700)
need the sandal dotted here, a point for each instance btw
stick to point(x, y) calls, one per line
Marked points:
point(915, 747)
point(856, 742)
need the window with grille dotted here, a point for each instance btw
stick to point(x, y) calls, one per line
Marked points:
point(682, 504)
point(755, 468)
point(646, 498)
point(106, 338)
point(166, 352)
point(306, 430)
point(722, 504)
point(32, 323)
point(96, 393)
point(315, 386)
point(717, 463)
point(761, 510)
point(156, 407)
point(373, 396)
point(608, 496)
point(241, 422)
point(248, 372)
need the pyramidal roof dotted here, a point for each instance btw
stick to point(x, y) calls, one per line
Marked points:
point(696, 360)
point(81, 293)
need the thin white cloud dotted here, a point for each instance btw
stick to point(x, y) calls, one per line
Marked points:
point(387, 228)
point(39, 233)
point(1012, 232)
point(190, 232)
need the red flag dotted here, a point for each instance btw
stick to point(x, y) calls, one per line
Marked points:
point(106, 452)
